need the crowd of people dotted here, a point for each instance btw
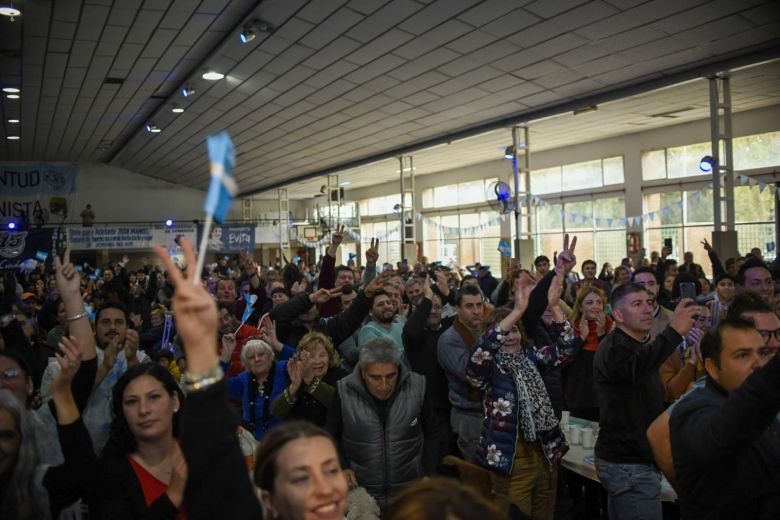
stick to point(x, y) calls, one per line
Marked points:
point(338, 391)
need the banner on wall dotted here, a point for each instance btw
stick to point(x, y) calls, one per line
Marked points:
point(231, 238)
point(22, 250)
point(36, 191)
point(169, 236)
point(113, 237)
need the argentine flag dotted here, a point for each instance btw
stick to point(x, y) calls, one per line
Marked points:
point(222, 156)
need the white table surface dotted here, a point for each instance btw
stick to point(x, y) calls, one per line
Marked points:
point(575, 460)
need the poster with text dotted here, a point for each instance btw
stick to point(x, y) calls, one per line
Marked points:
point(23, 250)
point(231, 239)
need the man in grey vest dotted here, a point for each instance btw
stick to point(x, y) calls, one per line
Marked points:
point(383, 422)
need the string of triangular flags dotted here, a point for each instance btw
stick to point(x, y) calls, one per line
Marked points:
point(634, 220)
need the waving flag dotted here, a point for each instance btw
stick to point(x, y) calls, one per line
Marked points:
point(222, 189)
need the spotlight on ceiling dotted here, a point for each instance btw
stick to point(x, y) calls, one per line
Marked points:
point(8, 9)
point(707, 164)
point(252, 28)
point(12, 96)
point(13, 121)
point(212, 75)
point(152, 128)
point(11, 90)
point(12, 137)
point(177, 108)
point(11, 225)
point(187, 91)
point(168, 223)
point(509, 152)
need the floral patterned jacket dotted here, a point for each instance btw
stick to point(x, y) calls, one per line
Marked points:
point(501, 425)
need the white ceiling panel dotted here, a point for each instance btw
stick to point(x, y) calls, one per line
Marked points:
point(340, 82)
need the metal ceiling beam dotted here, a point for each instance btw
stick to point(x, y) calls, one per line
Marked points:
point(642, 87)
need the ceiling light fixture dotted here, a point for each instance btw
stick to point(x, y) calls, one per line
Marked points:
point(177, 108)
point(13, 137)
point(11, 90)
point(252, 28)
point(187, 91)
point(10, 11)
point(152, 128)
point(13, 121)
point(585, 110)
point(13, 96)
point(212, 75)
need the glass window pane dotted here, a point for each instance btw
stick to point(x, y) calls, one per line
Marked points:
point(579, 215)
point(548, 218)
point(427, 198)
point(683, 161)
point(546, 180)
point(469, 223)
point(444, 196)
point(494, 229)
point(657, 201)
point(585, 249)
point(548, 243)
point(450, 227)
point(699, 207)
point(471, 192)
point(610, 247)
point(757, 235)
point(654, 165)
point(608, 208)
point(582, 175)
point(693, 238)
point(756, 151)
point(750, 205)
point(613, 170)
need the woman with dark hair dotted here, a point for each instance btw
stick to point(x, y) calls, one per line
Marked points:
point(142, 472)
point(297, 470)
point(299, 473)
point(607, 274)
point(521, 439)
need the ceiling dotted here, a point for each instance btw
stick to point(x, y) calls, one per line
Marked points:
point(339, 83)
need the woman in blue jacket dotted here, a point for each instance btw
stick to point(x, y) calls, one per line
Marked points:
point(521, 441)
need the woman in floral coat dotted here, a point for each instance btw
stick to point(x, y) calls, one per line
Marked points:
point(521, 441)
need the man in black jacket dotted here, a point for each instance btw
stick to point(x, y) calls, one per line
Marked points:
point(420, 336)
point(625, 371)
point(726, 435)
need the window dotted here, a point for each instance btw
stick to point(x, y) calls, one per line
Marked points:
point(601, 236)
point(687, 218)
point(389, 234)
point(381, 205)
point(465, 193)
point(753, 151)
point(463, 239)
point(577, 176)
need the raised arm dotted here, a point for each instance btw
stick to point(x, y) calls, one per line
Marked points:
point(69, 285)
point(208, 439)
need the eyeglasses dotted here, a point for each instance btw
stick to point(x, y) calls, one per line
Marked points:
point(767, 334)
point(9, 374)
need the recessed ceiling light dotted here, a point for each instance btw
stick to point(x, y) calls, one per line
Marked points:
point(13, 120)
point(212, 75)
point(13, 137)
point(345, 183)
point(187, 91)
point(152, 128)
point(177, 109)
point(11, 90)
point(13, 96)
point(10, 11)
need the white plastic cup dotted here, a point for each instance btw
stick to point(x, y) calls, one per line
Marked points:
point(587, 437)
point(565, 415)
point(575, 434)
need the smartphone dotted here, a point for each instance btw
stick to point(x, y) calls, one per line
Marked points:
point(668, 242)
point(688, 290)
point(405, 262)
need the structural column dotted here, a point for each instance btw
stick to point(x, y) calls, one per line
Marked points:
point(724, 240)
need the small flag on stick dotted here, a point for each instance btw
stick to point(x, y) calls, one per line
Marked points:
point(222, 159)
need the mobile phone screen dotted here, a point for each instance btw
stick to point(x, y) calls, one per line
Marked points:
point(688, 290)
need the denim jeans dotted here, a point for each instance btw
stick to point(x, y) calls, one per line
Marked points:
point(468, 427)
point(634, 490)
